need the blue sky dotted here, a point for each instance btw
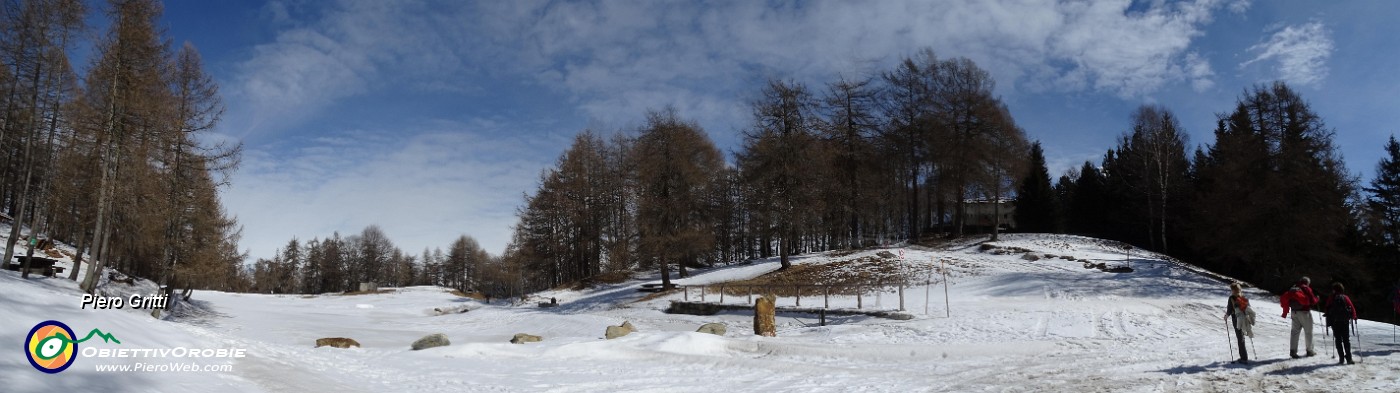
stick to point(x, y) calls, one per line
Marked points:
point(433, 118)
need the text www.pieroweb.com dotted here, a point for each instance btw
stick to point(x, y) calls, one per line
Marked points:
point(186, 367)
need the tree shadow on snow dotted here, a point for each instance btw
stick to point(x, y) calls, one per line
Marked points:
point(1217, 366)
point(1073, 284)
point(1373, 352)
point(1302, 369)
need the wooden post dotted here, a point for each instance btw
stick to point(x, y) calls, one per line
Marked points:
point(946, 304)
point(822, 314)
point(826, 298)
point(751, 294)
point(702, 293)
point(687, 293)
point(879, 295)
point(901, 296)
point(799, 296)
point(721, 294)
point(858, 301)
point(927, 284)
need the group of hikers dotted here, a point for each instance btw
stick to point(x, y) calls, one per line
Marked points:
point(1338, 312)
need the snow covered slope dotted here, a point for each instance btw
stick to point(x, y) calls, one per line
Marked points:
point(1016, 325)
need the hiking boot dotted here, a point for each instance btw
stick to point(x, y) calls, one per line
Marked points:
point(1293, 355)
point(1311, 354)
point(1349, 360)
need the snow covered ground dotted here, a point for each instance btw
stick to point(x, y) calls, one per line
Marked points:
point(1016, 325)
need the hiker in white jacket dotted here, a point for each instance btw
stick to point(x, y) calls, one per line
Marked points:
point(1239, 313)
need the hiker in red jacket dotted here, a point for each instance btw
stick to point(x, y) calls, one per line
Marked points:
point(1300, 300)
point(1340, 313)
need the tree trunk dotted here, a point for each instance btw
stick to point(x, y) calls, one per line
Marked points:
point(665, 276)
point(783, 251)
point(78, 257)
point(996, 217)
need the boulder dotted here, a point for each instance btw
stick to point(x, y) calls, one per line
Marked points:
point(337, 342)
point(886, 255)
point(450, 310)
point(521, 338)
point(618, 331)
point(717, 329)
point(431, 341)
point(1030, 257)
point(764, 322)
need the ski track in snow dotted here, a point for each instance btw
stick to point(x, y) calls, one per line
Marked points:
point(1016, 326)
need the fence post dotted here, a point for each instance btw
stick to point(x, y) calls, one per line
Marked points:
point(721, 294)
point(947, 304)
point(751, 294)
point(901, 296)
point(826, 298)
point(879, 295)
point(928, 283)
point(687, 293)
point(858, 300)
point(799, 296)
point(702, 293)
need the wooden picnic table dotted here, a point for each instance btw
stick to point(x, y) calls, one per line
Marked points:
point(37, 265)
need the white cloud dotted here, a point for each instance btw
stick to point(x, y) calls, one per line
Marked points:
point(1299, 53)
point(606, 50)
point(599, 53)
point(423, 188)
point(1199, 72)
point(354, 48)
point(612, 60)
point(1239, 6)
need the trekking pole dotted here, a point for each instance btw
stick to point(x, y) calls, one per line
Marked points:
point(1252, 348)
point(1227, 341)
point(1356, 332)
point(1324, 324)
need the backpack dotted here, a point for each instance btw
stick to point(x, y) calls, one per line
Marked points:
point(1338, 311)
point(1241, 303)
point(1244, 316)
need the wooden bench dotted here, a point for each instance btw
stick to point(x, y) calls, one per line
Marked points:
point(37, 265)
point(651, 288)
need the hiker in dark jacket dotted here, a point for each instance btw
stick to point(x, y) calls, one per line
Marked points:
point(1241, 317)
point(1299, 299)
point(1340, 313)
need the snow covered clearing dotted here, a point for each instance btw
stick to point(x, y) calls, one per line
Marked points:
point(1017, 325)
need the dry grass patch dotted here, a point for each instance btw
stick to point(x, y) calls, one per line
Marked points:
point(657, 295)
point(470, 295)
point(357, 293)
point(843, 277)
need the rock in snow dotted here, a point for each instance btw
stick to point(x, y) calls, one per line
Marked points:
point(337, 342)
point(521, 338)
point(619, 331)
point(717, 329)
point(431, 341)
